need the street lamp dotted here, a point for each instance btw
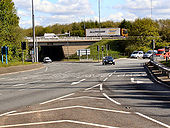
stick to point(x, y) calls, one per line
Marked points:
point(99, 16)
point(151, 9)
point(33, 29)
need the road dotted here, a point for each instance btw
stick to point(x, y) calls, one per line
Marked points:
point(65, 94)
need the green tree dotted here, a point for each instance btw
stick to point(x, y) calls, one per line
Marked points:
point(125, 24)
point(10, 33)
point(142, 32)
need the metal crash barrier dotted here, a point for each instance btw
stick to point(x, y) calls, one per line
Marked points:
point(162, 68)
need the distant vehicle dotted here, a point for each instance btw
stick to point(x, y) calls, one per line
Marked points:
point(108, 60)
point(47, 60)
point(160, 52)
point(137, 54)
point(164, 52)
point(50, 35)
point(106, 32)
point(149, 53)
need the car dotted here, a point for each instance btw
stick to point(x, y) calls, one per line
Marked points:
point(47, 60)
point(149, 53)
point(108, 60)
point(137, 54)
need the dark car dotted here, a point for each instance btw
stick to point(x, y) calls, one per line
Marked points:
point(108, 60)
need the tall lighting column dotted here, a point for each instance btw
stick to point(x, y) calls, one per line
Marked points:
point(99, 17)
point(33, 29)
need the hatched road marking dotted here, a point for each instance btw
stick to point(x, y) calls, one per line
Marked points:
point(58, 121)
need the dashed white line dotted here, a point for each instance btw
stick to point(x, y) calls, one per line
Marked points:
point(46, 69)
point(101, 87)
point(158, 122)
point(56, 99)
point(7, 113)
point(105, 79)
point(18, 85)
point(137, 82)
point(58, 121)
point(74, 83)
point(111, 99)
point(92, 87)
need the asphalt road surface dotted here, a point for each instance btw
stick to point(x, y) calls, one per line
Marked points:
point(84, 95)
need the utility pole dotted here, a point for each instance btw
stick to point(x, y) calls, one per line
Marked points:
point(151, 9)
point(99, 17)
point(33, 29)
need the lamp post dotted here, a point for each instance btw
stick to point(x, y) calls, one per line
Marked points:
point(151, 9)
point(99, 16)
point(33, 29)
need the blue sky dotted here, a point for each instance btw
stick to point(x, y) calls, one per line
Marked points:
point(48, 12)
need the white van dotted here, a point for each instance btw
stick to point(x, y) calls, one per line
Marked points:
point(137, 54)
point(50, 35)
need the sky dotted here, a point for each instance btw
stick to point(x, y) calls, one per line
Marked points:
point(49, 12)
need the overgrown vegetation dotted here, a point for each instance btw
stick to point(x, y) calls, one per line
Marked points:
point(10, 32)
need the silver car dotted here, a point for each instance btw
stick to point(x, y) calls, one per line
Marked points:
point(47, 60)
point(137, 54)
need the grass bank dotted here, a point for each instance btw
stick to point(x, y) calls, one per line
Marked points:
point(14, 64)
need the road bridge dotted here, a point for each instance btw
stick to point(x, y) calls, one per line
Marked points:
point(59, 48)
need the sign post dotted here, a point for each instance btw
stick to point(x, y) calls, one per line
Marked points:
point(98, 49)
point(6, 52)
point(2, 50)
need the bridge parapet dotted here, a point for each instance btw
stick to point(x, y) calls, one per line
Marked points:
point(64, 39)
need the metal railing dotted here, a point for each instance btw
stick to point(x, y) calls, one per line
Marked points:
point(30, 39)
point(162, 68)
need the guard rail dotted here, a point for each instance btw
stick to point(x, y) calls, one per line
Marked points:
point(162, 68)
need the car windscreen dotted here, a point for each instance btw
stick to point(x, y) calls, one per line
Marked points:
point(160, 52)
point(135, 52)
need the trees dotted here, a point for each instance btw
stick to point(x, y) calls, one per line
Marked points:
point(142, 32)
point(11, 34)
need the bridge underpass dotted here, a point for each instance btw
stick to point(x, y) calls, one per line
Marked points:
point(56, 53)
point(58, 49)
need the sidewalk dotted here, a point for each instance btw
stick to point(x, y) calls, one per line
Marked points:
point(20, 68)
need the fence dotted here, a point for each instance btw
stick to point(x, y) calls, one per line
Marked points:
point(162, 68)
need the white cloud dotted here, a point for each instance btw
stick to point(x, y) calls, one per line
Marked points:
point(142, 8)
point(47, 12)
point(120, 16)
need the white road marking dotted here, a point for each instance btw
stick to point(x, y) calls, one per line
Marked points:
point(70, 107)
point(46, 69)
point(18, 85)
point(92, 87)
point(158, 122)
point(105, 79)
point(132, 80)
point(91, 91)
point(21, 90)
point(4, 114)
point(74, 83)
point(58, 121)
point(0, 94)
point(111, 99)
point(137, 82)
point(82, 97)
point(56, 99)
point(101, 87)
